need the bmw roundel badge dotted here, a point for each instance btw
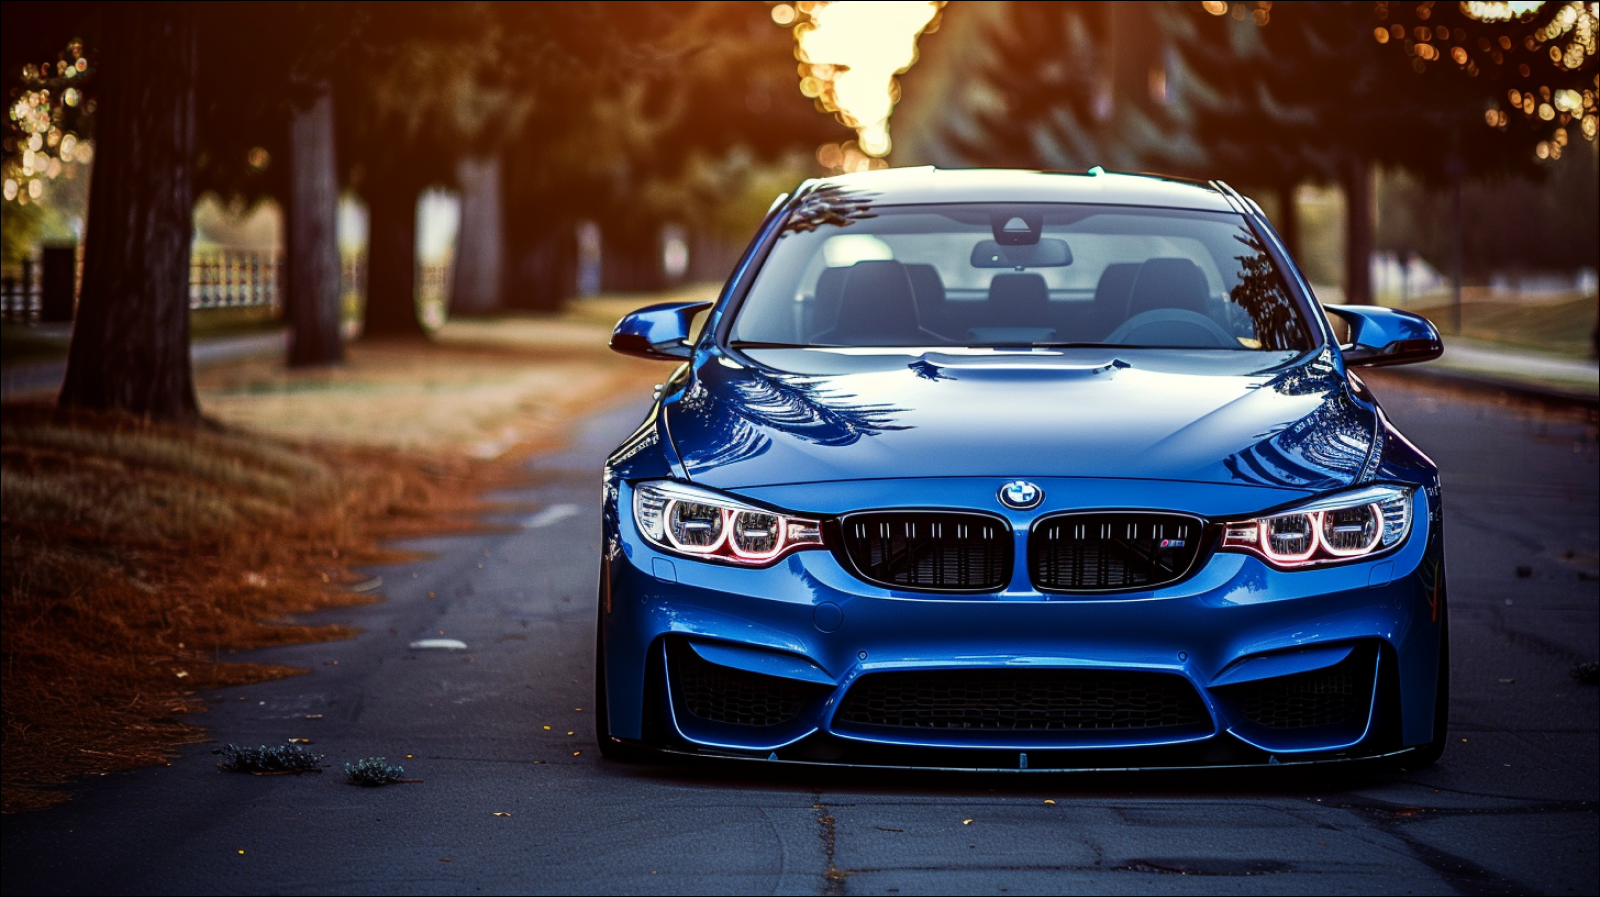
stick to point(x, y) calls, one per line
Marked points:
point(1021, 494)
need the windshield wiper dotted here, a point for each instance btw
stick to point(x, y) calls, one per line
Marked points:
point(761, 344)
point(1034, 345)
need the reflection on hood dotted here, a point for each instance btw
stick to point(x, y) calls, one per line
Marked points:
point(1163, 416)
point(752, 408)
point(1327, 448)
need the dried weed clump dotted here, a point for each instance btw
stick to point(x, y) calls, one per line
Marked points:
point(134, 557)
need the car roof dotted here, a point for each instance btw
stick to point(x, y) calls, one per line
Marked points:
point(910, 186)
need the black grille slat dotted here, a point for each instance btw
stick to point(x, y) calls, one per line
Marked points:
point(1023, 700)
point(725, 695)
point(1108, 551)
point(947, 551)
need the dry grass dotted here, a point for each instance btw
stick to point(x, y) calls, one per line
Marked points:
point(134, 558)
point(1561, 325)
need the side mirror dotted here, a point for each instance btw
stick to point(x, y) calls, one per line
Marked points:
point(1384, 336)
point(659, 331)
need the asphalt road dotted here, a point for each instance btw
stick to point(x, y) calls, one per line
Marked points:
point(514, 797)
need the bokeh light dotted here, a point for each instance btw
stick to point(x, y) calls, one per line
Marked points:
point(850, 52)
point(1564, 43)
point(37, 120)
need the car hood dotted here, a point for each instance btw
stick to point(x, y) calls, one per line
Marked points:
point(799, 416)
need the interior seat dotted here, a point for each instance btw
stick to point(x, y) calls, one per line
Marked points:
point(878, 308)
point(1111, 293)
point(828, 296)
point(1168, 283)
point(928, 289)
point(1018, 300)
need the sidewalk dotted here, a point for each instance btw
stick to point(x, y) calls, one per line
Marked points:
point(1493, 366)
point(42, 379)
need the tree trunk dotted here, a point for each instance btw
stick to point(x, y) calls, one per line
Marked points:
point(630, 257)
point(392, 260)
point(130, 346)
point(1358, 232)
point(311, 236)
point(544, 270)
point(1289, 219)
point(478, 281)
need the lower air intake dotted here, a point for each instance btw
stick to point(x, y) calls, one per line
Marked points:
point(1018, 700)
point(725, 695)
point(1326, 697)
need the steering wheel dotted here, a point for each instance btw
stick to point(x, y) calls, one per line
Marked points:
point(1175, 328)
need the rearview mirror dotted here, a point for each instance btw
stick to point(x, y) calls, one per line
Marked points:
point(1047, 253)
point(659, 331)
point(1384, 336)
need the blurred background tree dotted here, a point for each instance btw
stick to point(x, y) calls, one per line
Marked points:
point(1274, 96)
point(659, 132)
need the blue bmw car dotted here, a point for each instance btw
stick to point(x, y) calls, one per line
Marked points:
point(1021, 470)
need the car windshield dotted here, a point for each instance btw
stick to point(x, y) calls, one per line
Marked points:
point(848, 274)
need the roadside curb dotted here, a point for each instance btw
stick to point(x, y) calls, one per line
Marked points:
point(1549, 395)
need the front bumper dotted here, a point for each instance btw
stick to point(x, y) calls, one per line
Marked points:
point(1250, 646)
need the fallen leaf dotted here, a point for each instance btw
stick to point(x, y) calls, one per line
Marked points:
point(576, 753)
point(241, 853)
point(443, 860)
point(299, 741)
point(1049, 801)
point(547, 728)
point(966, 822)
point(184, 674)
point(501, 813)
point(312, 715)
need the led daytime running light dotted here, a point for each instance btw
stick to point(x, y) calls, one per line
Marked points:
point(1335, 528)
point(688, 520)
point(1317, 538)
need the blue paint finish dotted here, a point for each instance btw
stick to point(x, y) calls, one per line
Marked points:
point(659, 331)
point(1382, 574)
point(1386, 336)
point(1286, 663)
point(664, 569)
point(767, 663)
point(1219, 436)
point(827, 616)
point(853, 417)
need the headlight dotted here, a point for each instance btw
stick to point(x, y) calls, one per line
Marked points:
point(689, 520)
point(1347, 526)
